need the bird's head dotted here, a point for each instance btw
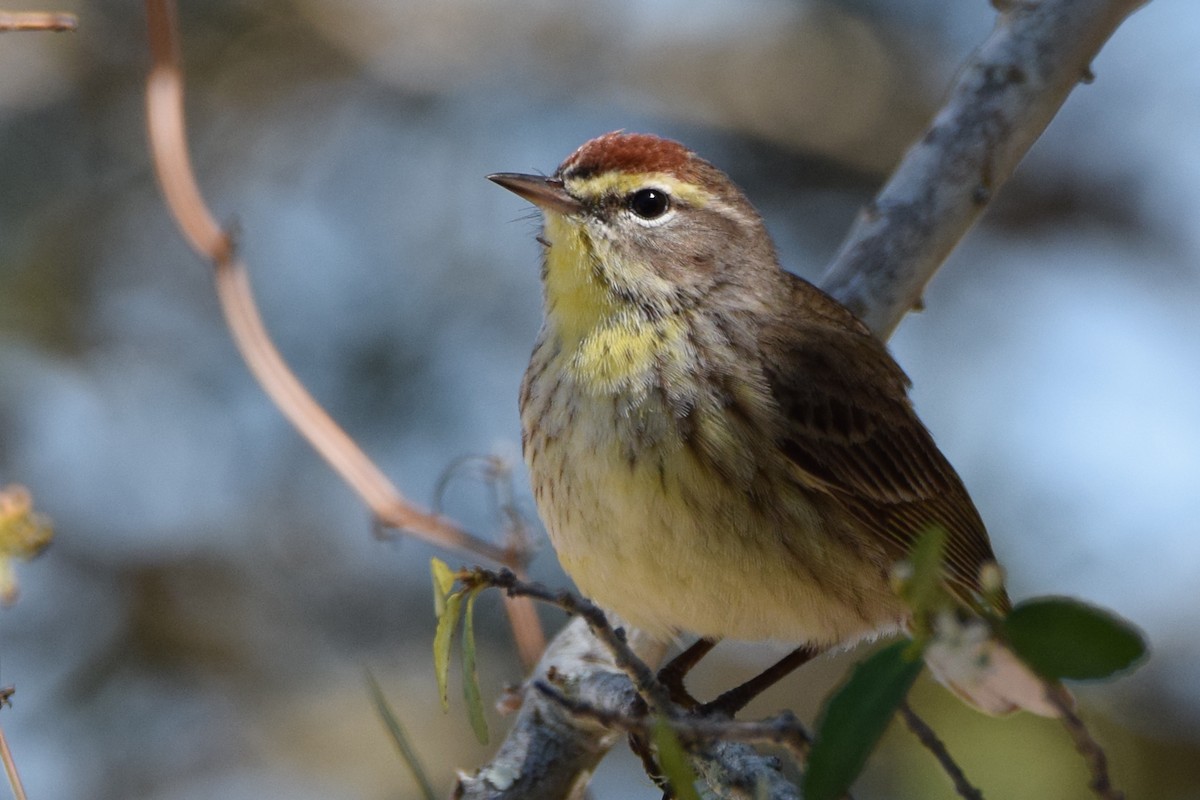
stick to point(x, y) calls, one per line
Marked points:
point(634, 220)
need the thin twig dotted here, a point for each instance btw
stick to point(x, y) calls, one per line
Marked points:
point(37, 21)
point(528, 635)
point(1093, 754)
point(522, 617)
point(613, 638)
point(172, 165)
point(10, 768)
point(527, 630)
point(783, 729)
point(497, 476)
point(168, 142)
point(926, 736)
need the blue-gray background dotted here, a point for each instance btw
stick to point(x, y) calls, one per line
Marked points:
point(200, 626)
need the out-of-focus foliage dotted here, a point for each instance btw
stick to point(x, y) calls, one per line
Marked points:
point(23, 534)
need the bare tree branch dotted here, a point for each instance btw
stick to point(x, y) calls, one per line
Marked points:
point(168, 141)
point(168, 145)
point(1004, 98)
point(549, 752)
point(37, 21)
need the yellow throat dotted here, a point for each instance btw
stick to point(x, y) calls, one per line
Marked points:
point(612, 343)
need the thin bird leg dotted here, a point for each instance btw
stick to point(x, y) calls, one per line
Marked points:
point(733, 701)
point(671, 676)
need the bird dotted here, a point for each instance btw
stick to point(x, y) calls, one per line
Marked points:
point(717, 447)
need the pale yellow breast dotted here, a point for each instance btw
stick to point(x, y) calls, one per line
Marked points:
point(646, 528)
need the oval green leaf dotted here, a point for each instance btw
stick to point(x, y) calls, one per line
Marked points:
point(1059, 637)
point(854, 718)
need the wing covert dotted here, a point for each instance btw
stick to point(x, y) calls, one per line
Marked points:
point(850, 427)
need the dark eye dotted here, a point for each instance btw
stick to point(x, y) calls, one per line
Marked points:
point(649, 203)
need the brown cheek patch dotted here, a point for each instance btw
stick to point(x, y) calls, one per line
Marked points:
point(630, 153)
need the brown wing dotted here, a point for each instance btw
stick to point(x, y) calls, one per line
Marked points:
point(852, 429)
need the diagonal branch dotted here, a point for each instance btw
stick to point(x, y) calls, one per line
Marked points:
point(1004, 98)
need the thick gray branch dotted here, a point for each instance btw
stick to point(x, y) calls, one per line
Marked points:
point(548, 753)
point(1003, 99)
point(1006, 94)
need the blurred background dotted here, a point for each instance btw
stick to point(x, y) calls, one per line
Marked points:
point(201, 624)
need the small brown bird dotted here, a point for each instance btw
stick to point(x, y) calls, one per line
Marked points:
point(715, 445)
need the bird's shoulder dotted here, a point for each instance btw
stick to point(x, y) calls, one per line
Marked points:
point(831, 376)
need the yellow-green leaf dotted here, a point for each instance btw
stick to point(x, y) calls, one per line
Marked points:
point(923, 589)
point(442, 639)
point(674, 761)
point(470, 674)
point(443, 584)
point(23, 534)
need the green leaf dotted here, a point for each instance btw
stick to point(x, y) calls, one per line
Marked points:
point(1063, 638)
point(923, 589)
point(854, 718)
point(443, 584)
point(470, 674)
point(674, 761)
point(442, 639)
point(400, 738)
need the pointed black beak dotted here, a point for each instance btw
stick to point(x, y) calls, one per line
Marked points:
point(546, 193)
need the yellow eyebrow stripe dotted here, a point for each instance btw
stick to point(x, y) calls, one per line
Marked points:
point(626, 183)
